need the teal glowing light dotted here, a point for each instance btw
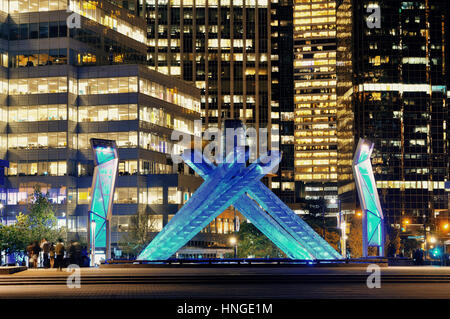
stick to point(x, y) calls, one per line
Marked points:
point(436, 252)
point(103, 185)
point(373, 227)
point(104, 154)
point(232, 183)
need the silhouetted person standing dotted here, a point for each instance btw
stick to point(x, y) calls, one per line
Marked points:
point(59, 251)
point(75, 252)
point(78, 253)
point(420, 256)
point(30, 255)
point(45, 246)
point(36, 251)
point(52, 255)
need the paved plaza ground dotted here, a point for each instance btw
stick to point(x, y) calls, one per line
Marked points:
point(235, 282)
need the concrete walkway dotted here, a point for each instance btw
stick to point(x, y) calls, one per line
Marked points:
point(239, 282)
point(176, 271)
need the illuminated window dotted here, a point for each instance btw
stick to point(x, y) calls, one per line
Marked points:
point(155, 195)
point(171, 95)
point(156, 223)
point(125, 195)
point(83, 195)
point(107, 85)
point(287, 186)
point(173, 195)
point(38, 85)
point(91, 11)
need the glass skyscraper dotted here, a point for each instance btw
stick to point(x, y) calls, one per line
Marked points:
point(315, 100)
point(239, 53)
point(393, 90)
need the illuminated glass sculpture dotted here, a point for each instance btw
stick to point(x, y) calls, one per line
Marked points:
point(232, 183)
point(103, 184)
point(373, 220)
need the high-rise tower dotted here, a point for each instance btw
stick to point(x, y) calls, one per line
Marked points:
point(394, 92)
point(315, 99)
point(239, 53)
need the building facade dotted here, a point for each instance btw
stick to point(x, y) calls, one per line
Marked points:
point(63, 83)
point(315, 101)
point(393, 90)
point(239, 53)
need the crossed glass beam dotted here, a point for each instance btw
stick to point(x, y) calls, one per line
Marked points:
point(232, 183)
point(373, 220)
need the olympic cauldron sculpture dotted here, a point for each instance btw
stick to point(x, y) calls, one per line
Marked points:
point(233, 183)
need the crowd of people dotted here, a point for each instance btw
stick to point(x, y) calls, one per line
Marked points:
point(50, 255)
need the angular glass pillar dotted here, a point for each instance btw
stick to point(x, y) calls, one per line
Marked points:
point(102, 192)
point(373, 220)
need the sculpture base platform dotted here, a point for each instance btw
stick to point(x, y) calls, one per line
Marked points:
point(8, 270)
point(253, 262)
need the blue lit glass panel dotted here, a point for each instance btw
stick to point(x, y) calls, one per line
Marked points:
point(100, 230)
point(104, 154)
point(373, 229)
point(363, 156)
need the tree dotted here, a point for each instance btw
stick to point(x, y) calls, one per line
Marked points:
point(409, 246)
point(316, 223)
point(38, 224)
point(14, 238)
point(355, 237)
point(251, 242)
point(41, 220)
point(141, 232)
point(393, 242)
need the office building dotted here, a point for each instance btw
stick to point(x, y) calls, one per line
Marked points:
point(315, 101)
point(239, 53)
point(393, 90)
point(64, 83)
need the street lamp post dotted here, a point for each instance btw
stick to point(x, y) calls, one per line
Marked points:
point(425, 236)
point(233, 241)
point(235, 222)
point(342, 225)
point(443, 228)
point(93, 243)
point(323, 221)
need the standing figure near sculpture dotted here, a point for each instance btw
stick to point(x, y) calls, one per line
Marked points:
point(52, 255)
point(59, 251)
point(30, 255)
point(74, 252)
point(35, 256)
point(45, 246)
